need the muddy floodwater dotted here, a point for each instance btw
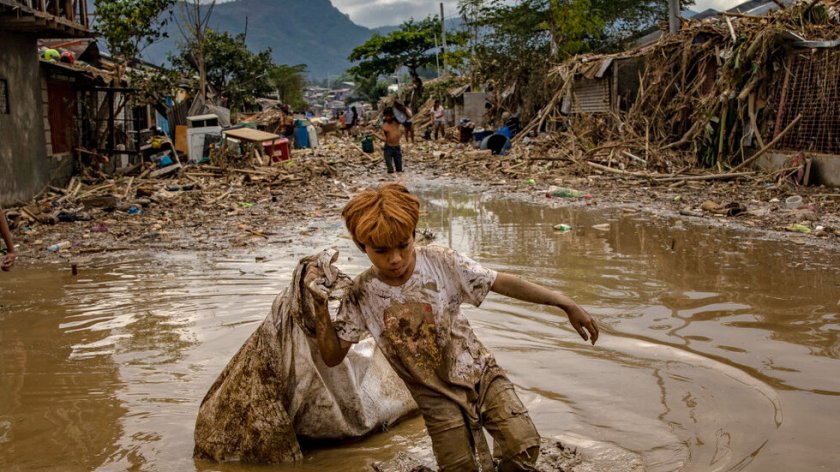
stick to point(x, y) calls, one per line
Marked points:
point(719, 350)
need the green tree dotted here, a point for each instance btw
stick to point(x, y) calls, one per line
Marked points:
point(288, 82)
point(235, 73)
point(516, 43)
point(368, 89)
point(412, 46)
point(570, 24)
point(129, 26)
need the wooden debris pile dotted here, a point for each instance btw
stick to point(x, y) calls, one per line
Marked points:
point(99, 212)
point(704, 96)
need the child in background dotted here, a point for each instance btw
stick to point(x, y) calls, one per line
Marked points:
point(409, 300)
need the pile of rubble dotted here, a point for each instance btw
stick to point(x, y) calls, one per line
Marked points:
point(706, 97)
point(210, 207)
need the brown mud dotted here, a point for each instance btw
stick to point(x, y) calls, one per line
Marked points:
point(245, 207)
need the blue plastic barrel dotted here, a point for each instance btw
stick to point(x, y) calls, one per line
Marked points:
point(301, 137)
point(499, 144)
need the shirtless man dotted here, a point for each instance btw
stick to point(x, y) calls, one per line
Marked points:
point(391, 133)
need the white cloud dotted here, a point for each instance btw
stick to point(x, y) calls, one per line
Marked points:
point(720, 5)
point(373, 13)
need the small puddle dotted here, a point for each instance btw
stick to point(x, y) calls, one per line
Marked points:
point(719, 351)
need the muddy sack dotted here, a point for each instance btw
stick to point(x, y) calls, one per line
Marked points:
point(277, 390)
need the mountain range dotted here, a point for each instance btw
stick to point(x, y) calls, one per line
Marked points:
point(311, 32)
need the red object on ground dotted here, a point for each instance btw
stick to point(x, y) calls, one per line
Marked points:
point(278, 150)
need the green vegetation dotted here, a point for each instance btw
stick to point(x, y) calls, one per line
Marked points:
point(516, 44)
point(411, 46)
point(129, 26)
point(238, 75)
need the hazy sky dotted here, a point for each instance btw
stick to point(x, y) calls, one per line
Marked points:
point(373, 13)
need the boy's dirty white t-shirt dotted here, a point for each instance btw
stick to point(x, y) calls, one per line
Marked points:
point(419, 325)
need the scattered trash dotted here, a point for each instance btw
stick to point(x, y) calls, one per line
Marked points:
point(690, 212)
point(793, 202)
point(180, 188)
point(562, 227)
point(165, 161)
point(709, 206)
point(565, 192)
point(67, 217)
point(246, 204)
point(601, 227)
point(135, 210)
point(799, 228)
point(150, 235)
point(59, 246)
point(99, 228)
point(532, 182)
point(730, 209)
point(106, 202)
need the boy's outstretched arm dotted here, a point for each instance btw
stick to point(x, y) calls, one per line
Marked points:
point(521, 289)
point(333, 348)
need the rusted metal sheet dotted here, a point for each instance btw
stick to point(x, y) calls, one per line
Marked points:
point(591, 96)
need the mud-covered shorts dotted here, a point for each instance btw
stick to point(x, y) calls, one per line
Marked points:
point(515, 439)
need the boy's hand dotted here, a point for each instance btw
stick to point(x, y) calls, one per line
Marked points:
point(314, 282)
point(8, 261)
point(582, 323)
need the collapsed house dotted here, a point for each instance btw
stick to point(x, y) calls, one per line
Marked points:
point(61, 104)
point(91, 119)
point(721, 91)
point(26, 162)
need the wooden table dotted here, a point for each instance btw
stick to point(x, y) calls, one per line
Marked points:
point(255, 139)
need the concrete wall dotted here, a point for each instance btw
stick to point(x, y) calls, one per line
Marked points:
point(825, 169)
point(24, 166)
point(474, 107)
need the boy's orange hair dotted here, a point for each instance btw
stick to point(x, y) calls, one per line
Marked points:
point(383, 217)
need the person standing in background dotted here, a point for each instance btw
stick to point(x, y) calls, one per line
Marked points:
point(438, 113)
point(409, 125)
point(391, 133)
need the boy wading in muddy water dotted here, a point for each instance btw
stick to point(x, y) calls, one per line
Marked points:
point(409, 300)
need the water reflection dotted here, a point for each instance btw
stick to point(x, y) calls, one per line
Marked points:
point(757, 314)
point(720, 351)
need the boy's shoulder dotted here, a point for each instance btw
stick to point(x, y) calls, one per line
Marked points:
point(439, 255)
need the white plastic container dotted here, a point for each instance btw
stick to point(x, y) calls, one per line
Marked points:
point(793, 202)
point(313, 136)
